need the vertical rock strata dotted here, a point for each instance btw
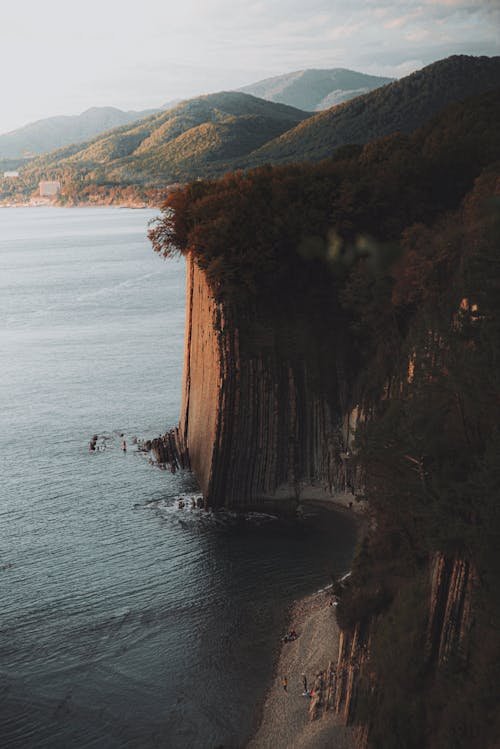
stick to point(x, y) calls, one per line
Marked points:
point(260, 419)
point(450, 616)
point(449, 623)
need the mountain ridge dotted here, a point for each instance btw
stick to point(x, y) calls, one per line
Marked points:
point(314, 89)
point(401, 106)
point(144, 150)
point(46, 134)
point(211, 135)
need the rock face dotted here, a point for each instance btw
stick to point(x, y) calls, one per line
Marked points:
point(450, 613)
point(449, 623)
point(261, 414)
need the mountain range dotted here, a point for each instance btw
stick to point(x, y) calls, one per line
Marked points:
point(401, 106)
point(315, 90)
point(210, 135)
point(188, 141)
point(53, 132)
point(304, 89)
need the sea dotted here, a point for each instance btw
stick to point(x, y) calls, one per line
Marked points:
point(128, 618)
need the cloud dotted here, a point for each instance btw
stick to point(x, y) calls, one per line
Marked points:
point(115, 52)
point(345, 31)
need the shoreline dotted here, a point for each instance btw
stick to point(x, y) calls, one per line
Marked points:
point(51, 204)
point(284, 717)
point(283, 721)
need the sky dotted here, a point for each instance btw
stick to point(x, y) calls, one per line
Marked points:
point(59, 57)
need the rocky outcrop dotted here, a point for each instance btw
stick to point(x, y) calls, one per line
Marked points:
point(353, 654)
point(450, 614)
point(261, 416)
point(449, 623)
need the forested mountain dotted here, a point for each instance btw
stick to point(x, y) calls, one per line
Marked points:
point(55, 132)
point(401, 106)
point(314, 90)
point(304, 89)
point(196, 137)
point(211, 135)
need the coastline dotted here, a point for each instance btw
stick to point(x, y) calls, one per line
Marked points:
point(52, 204)
point(285, 722)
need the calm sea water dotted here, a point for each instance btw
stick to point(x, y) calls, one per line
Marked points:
point(124, 620)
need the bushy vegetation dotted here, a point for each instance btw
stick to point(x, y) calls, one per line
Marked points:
point(256, 232)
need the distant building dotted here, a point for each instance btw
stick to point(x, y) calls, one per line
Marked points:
point(11, 174)
point(49, 188)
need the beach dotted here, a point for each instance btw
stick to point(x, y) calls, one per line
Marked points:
point(285, 720)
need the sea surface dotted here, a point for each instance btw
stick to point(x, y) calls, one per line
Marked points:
point(125, 621)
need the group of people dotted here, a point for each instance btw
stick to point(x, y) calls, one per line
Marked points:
point(309, 693)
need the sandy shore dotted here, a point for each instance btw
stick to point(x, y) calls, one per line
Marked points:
point(285, 720)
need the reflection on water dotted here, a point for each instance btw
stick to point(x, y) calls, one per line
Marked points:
point(124, 620)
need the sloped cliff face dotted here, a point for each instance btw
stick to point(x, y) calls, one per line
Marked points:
point(450, 610)
point(261, 412)
point(446, 612)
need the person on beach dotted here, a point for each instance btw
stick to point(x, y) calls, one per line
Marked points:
point(304, 682)
point(284, 682)
point(124, 446)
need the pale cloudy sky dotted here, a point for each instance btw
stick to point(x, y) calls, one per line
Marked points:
point(61, 57)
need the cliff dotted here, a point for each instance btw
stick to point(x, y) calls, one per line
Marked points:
point(444, 612)
point(261, 419)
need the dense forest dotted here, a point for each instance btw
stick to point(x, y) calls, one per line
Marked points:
point(400, 238)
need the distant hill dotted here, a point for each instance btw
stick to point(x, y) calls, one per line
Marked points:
point(196, 137)
point(315, 90)
point(55, 132)
point(400, 106)
point(210, 135)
